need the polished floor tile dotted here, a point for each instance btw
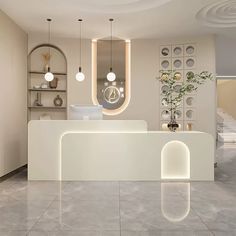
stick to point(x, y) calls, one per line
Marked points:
point(125, 208)
point(80, 215)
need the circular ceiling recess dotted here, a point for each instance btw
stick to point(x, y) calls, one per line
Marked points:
point(118, 6)
point(221, 14)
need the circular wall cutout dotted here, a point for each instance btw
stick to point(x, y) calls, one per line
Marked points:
point(189, 114)
point(177, 114)
point(165, 115)
point(177, 88)
point(190, 50)
point(190, 75)
point(165, 64)
point(190, 62)
point(165, 89)
point(190, 88)
point(177, 76)
point(177, 51)
point(189, 101)
point(164, 102)
point(165, 52)
point(177, 63)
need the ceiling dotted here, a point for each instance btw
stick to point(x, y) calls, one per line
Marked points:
point(133, 18)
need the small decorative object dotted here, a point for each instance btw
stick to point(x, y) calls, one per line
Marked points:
point(111, 94)
point(58, 101)
point(172, 95)
point(44, 85)
point(189, 126)
point(177, 76)
point(46, 59)
point(36, 86)
point(165, 52)
point(37, 101)
point(53, 83)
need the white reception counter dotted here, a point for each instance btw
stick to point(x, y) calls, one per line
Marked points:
point(116, 150)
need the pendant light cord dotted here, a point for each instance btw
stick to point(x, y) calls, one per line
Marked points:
point(80, 44)
point(49, 41)
point(111, 65)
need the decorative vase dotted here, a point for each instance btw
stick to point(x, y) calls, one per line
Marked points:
point(189, 126)
point(53, 83)
point(172, 125)
point(58, 101)
point(37, 101)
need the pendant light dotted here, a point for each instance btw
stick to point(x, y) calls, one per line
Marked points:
point(49, 75)
point(80, 75)
point(111, 76)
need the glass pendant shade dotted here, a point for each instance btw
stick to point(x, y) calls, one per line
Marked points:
point(49, 76)
point(111, 76)
point(80, 76)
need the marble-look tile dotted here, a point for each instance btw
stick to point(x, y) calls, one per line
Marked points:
point(33, 190)
point(74, 233)
point(137, 208)
point(21, 215)
point(150, 215)
point(90, 190)
point(146, 190)
point(80, 215)
point(167, 233)
point(17, 233)
point(224, 233)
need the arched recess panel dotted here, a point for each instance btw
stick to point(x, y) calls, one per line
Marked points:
point(113, 96)
point(42, 94)
point(175, 161)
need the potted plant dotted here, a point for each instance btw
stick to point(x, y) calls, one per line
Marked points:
point(175, 90)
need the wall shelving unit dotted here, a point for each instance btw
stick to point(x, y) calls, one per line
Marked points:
point(180, 58)
point(36, 72)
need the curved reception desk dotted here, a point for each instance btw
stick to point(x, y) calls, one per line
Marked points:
point(116, 150)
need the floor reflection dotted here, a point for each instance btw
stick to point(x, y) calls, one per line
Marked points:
point(180, 194)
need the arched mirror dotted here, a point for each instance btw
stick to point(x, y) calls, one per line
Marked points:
point(114, 96)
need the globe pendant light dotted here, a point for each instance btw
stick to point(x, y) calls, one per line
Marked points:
point(111, 76)
point(80, 75)
point(49, 75)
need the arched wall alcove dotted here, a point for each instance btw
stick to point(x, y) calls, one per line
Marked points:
point(175, 161)
point(40, 58)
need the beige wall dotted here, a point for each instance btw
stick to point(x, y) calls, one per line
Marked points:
point(226, 96)
point(144, 103)
point(13, 95)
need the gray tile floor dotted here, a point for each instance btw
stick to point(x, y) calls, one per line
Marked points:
point(122, 208)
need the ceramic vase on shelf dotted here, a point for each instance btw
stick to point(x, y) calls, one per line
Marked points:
point(58, 101)
point(53, 83)
point(37, 101)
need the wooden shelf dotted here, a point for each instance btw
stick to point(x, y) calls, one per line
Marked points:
point(42, 73)
point(49, 108)
point(47, 90)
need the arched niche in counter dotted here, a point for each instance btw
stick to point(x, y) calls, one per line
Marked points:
point(113, 96)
